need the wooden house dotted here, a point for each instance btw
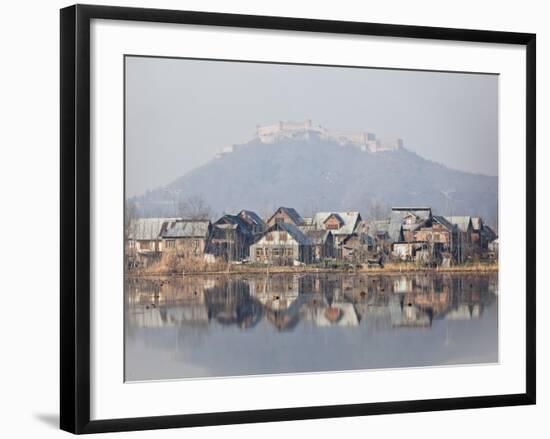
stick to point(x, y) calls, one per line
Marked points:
point(464, 244)
point(144, 235)
point(282, 244)
point(230, 239)
point(322, 242)
point(405, 221)
point(340, 224)
point(357, 247)
point(442, 237)
point(256, 224)
point(286, 215)
point(187, 238)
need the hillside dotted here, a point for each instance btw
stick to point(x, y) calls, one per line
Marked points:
point(322, 175)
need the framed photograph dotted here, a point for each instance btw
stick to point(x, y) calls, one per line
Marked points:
point(274, 218)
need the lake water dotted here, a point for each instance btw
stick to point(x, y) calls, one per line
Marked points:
point(213, 326)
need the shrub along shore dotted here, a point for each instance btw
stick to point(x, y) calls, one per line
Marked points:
point(391, 268)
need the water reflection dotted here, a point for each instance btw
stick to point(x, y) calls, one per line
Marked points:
point(231, 325)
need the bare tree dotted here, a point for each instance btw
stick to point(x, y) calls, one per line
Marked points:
point(194, 208)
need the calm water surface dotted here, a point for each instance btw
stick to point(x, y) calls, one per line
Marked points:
point(211, 326)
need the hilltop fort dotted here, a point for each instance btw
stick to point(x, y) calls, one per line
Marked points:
point(282, 131)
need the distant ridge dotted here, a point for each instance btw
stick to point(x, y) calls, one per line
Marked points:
point(315, 173)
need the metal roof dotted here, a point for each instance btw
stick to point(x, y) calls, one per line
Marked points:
point(477, 223)
point(293, 231)
point(234, 221)
point(187, 229)
point(462, 222)
point(350, 220)
point(317, 237)
point(377, 226)
point(147, 228)
point(254, 217)
point(292, 213)
point(399, 213)
point(443, 221)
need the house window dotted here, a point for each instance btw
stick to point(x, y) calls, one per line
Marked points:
point(279, 220)
point(275, 252)
point(170, 243)
point(332, 226)
point(437, 237)
point(259, 252)
point(283, 236)
point(289, 252)
point(269, 237)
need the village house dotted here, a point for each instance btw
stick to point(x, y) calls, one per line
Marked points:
point(286, 215)
point(340, 224)
point(144, 235)
point(405, 221)
point(408, 250)
point(255, 223)
point(379, 231)
point(282, 244)
point(442, 239)
point(482, 235)
point(322, 242)
point(230, 239)
point(464, 246)
point(357, 247)
point(187, 238)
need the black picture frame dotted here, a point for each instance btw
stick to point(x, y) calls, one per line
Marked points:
point(75, 217)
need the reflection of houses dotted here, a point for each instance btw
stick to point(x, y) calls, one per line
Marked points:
point(335, 314)
point(282, 244)
point(324, 300)
point(187, 238)
point(464, 312)
point(230, 303)
point(230, 239)
point(287, 215)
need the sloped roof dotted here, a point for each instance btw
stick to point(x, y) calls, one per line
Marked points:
point(364, 238)
point(317, 237)
point(477, 223)
point(187, 229)
point(394, 230)
point(254, 217)
point(147, 228)
point(235, 221)
point(349, 219)
point(292, 213)
point(293, 231)
point(461, 221)
point(421, 212)
point(399, 213)
point(489, 233)
point(443, 221)
point(336, 216)
point(377, 226)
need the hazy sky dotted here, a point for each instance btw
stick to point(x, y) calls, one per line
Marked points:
point(179, 112)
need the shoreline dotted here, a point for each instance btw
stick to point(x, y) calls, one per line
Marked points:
point(390, 271)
